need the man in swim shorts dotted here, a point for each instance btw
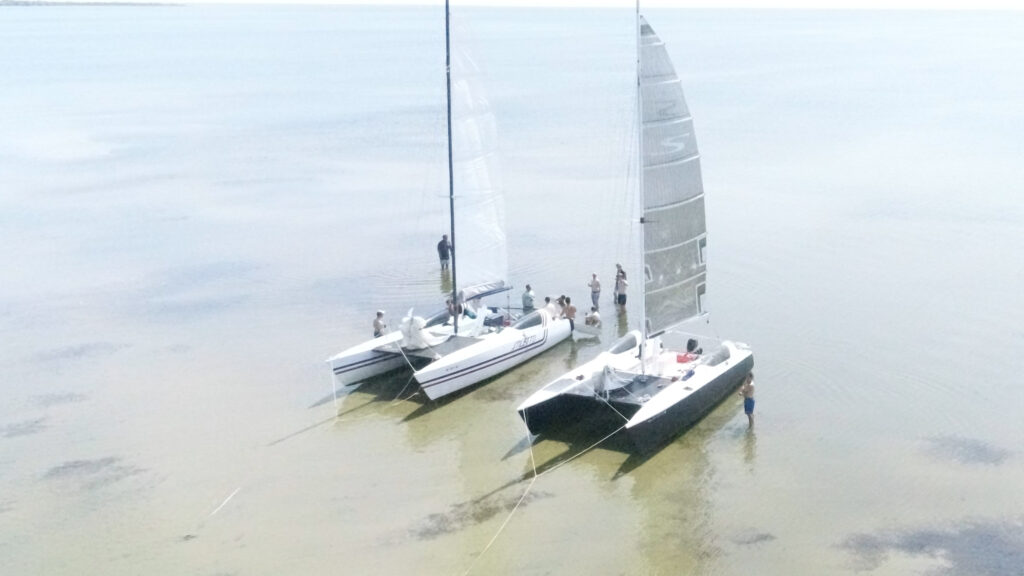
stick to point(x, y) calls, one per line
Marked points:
point(747, 391)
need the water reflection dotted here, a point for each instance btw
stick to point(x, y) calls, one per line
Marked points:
point(446, 281)
point(679, 539)
point(574, 351)
point(623, 325)
point(749, 449)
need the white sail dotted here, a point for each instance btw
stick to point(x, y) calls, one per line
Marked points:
point(672, 193)
point(479, 208)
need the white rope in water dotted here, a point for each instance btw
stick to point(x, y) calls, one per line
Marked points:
point(226, 500)
point(398, 397)
point(503, 524)
point(533, 464)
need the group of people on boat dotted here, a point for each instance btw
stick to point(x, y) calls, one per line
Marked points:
point(560, 308)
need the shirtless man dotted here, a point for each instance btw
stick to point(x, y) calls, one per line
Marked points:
point(747, 391)
point(569, 311)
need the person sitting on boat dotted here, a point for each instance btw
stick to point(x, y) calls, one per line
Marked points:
point(692, 352)
point(379, 326)
point(569, 311)
point(691, 347)
point(528, 300)
point(593, 318)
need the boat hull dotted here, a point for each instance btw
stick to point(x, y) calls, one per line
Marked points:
point(366, 360)
point(492, 355)
point(655, 431)
point(678, 395)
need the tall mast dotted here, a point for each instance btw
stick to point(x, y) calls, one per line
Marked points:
point(451, 169)
point(642, 276)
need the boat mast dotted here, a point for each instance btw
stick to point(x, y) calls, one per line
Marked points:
point(642, 289)
point(451, 169)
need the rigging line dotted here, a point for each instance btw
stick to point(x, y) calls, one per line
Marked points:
point(411, 395)
point(407, 361)
point(502, 527)
point(607, 403)
point(582, 452)
point(399, 395)
point(533, 463)
point(226, 500)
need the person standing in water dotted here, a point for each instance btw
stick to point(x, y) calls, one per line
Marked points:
point(595, 290)
point(620, 288)
point(444, 250)
point(747, 391)
point(528, 300)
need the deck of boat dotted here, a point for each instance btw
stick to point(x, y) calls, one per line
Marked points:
point(641, 389)
point(443, 349)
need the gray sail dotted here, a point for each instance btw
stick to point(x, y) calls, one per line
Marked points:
point(675, 233)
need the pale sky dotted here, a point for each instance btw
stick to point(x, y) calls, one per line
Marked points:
point(798, 4)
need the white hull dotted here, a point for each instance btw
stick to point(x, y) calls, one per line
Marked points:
point(397, 349)
point(367, 360)
point(492, 355)
point(584, 332)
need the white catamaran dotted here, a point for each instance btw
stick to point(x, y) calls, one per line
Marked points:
point(654, 393)
point(447, 351)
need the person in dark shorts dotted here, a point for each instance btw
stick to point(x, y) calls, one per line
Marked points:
point(747, 391)
point(620, 288)
point(444, 250)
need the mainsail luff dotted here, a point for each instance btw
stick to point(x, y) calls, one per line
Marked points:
point(451, 166)
point(644, 324)
point(674, 227)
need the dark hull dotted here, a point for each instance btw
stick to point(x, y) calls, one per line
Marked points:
point(584, 418)
point(663, 428)
point(567, 414)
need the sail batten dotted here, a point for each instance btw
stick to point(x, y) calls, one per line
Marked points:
point(654, 164)
point(675, 230)
point(655, 209)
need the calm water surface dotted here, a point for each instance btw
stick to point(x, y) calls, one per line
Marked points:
point(199, 205)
